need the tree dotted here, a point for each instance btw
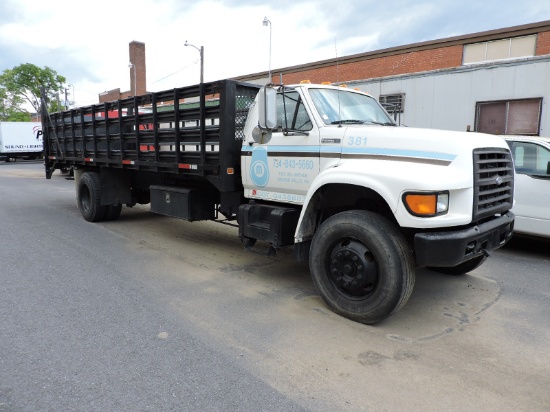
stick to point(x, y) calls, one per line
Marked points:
point(10, 108)
point(22, 85)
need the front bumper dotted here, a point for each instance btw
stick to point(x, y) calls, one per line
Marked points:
point(451, 248)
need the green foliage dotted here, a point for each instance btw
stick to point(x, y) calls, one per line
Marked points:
point(10, 108)
point(23, 84)
point(19, 117)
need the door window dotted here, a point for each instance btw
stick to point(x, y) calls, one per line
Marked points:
point(530, 158)
point(292, 113)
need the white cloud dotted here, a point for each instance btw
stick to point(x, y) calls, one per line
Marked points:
point(88, 43)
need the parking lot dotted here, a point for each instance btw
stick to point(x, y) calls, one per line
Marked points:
point(153, 313)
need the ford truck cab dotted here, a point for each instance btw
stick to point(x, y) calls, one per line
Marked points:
point(375, 200)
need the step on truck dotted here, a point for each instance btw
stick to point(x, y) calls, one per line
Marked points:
point(323, 169)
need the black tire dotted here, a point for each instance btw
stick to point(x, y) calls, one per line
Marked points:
point(362, 266)
point(113, 212)
point(461, 269)
point(89, 197)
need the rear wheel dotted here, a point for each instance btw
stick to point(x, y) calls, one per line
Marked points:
point(461, 269)
point(89, 197)
point(362, 266)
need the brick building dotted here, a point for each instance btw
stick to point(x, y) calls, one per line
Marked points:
point(496, 81)
point(412, 58)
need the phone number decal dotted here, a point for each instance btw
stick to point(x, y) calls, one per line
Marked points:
point(293, 164)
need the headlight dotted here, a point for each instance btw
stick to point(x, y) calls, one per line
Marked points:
point(427, 204)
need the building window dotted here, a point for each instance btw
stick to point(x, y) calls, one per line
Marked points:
point(514, 48)
point(393, 103)
point(521, 117)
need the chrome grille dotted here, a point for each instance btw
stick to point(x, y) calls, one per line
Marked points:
point(493, 182)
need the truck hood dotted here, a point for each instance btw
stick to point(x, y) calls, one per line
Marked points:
point(424, 142)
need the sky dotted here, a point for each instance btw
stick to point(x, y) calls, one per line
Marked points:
point(88, 42)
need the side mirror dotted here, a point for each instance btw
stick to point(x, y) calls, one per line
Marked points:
point(267, 108)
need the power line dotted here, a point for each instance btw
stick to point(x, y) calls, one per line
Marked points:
point(176, 72)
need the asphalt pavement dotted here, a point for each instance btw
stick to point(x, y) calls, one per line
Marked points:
point(150, 313)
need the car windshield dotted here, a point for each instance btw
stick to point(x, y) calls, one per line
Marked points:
point(345, 107)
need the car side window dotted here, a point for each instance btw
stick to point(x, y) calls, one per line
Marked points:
point(531, 158)
point(292, 112)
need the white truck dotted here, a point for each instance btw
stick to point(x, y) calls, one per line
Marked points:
point(20, 140)
point(531, 156)
point(323, 169)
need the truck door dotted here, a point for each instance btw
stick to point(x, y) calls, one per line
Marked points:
point(283, 168)
point(531, 188)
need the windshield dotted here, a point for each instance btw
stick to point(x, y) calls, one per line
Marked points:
point(344, 107)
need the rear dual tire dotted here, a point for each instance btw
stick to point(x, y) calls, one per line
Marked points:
point(89, 200)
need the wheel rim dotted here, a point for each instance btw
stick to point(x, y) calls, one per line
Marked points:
point(85, 199)
point(352, 269)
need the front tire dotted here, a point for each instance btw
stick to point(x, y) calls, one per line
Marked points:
point(362, 266)
point(89, 197)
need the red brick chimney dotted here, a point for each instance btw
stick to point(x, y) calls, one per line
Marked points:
point(138, 82)
point(137, 63)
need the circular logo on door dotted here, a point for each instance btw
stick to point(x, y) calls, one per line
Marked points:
point(259, 172)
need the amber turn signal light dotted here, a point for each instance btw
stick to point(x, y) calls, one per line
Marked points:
point(426, 204)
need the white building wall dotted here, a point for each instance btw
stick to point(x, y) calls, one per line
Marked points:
point(446, 99)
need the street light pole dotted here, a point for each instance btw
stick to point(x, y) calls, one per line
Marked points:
point(267, 22)
point(74, 100)
point(201, 51)
point(202, 106)
point(59, 98)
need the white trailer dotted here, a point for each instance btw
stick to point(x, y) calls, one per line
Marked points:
point(20, 140)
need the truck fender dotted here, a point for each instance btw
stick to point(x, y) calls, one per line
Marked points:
point(337, 175)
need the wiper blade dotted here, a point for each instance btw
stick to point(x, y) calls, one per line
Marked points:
point(354, 121)
point(381, 123)
point(348, 121)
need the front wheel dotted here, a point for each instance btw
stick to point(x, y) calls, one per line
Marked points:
point(362, 266)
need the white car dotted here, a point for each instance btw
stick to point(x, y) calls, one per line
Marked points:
point(532, 185)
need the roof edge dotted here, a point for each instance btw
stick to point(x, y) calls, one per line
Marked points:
point(495, 34)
